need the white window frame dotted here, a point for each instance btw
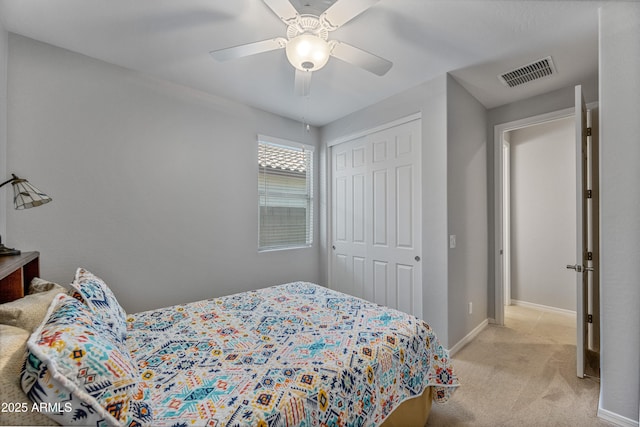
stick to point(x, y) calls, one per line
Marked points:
point(279, 142)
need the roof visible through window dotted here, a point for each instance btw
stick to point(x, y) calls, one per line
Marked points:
point(276, 157)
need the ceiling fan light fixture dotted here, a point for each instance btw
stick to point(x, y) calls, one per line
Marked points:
point(307, 52)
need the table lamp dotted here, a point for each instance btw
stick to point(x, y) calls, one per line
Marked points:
point(25, 196)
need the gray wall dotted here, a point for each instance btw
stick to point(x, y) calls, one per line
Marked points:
point(154, 185)
point(466, 210)
point(620, 208)
point(543, 214)
point(4, 38)
point(429, 99)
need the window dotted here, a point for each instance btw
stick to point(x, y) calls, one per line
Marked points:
point(285, 193)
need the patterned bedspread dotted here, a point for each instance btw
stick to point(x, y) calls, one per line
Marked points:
point(294, 354)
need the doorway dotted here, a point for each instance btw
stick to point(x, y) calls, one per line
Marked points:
point(502, 175)
point(509, 277)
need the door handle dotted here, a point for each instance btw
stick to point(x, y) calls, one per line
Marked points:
point(576, 267)
point(579, 268)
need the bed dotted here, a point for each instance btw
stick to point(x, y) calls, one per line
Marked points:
point(296, 354)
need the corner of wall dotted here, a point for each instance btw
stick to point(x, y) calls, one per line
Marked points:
point(619, 34)
point(467, 213)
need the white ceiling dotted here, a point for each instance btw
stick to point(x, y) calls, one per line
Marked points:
point(474, 40)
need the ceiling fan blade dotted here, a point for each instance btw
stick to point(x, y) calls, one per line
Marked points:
point(343, 11)
point(361, 58)
point(302, 82)
point(283, 8)
point(249, 49)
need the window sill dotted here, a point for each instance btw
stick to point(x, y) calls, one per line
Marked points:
point(286, 248)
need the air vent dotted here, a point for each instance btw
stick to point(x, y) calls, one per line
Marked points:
point(528, 73)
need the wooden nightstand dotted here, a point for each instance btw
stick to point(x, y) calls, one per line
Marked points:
point(16, 272)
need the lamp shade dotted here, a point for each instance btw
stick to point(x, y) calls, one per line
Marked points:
point(307, 52)
point(27, 196)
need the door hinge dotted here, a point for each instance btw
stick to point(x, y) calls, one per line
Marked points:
point(589, 194)
point(589, 318)
point(588, 131)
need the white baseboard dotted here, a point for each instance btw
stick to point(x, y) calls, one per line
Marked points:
point(542, 307)
point(616, 419)
point(469, 337)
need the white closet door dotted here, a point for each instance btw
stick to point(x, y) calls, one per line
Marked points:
point(376, 211)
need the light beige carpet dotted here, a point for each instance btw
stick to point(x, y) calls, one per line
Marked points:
point(522, 374)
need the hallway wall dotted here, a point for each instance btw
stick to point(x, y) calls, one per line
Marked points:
point(543, 214)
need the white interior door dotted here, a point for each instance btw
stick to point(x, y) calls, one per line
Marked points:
point(581, 266)
point(376, 211)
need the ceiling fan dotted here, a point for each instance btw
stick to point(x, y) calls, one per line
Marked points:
point(307, 46)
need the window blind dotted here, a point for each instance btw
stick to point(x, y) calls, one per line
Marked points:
point(285, 192)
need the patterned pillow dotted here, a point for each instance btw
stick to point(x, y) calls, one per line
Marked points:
point(78, 374)
point(95, 293)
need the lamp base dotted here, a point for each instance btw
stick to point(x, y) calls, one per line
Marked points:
point(5, 251)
